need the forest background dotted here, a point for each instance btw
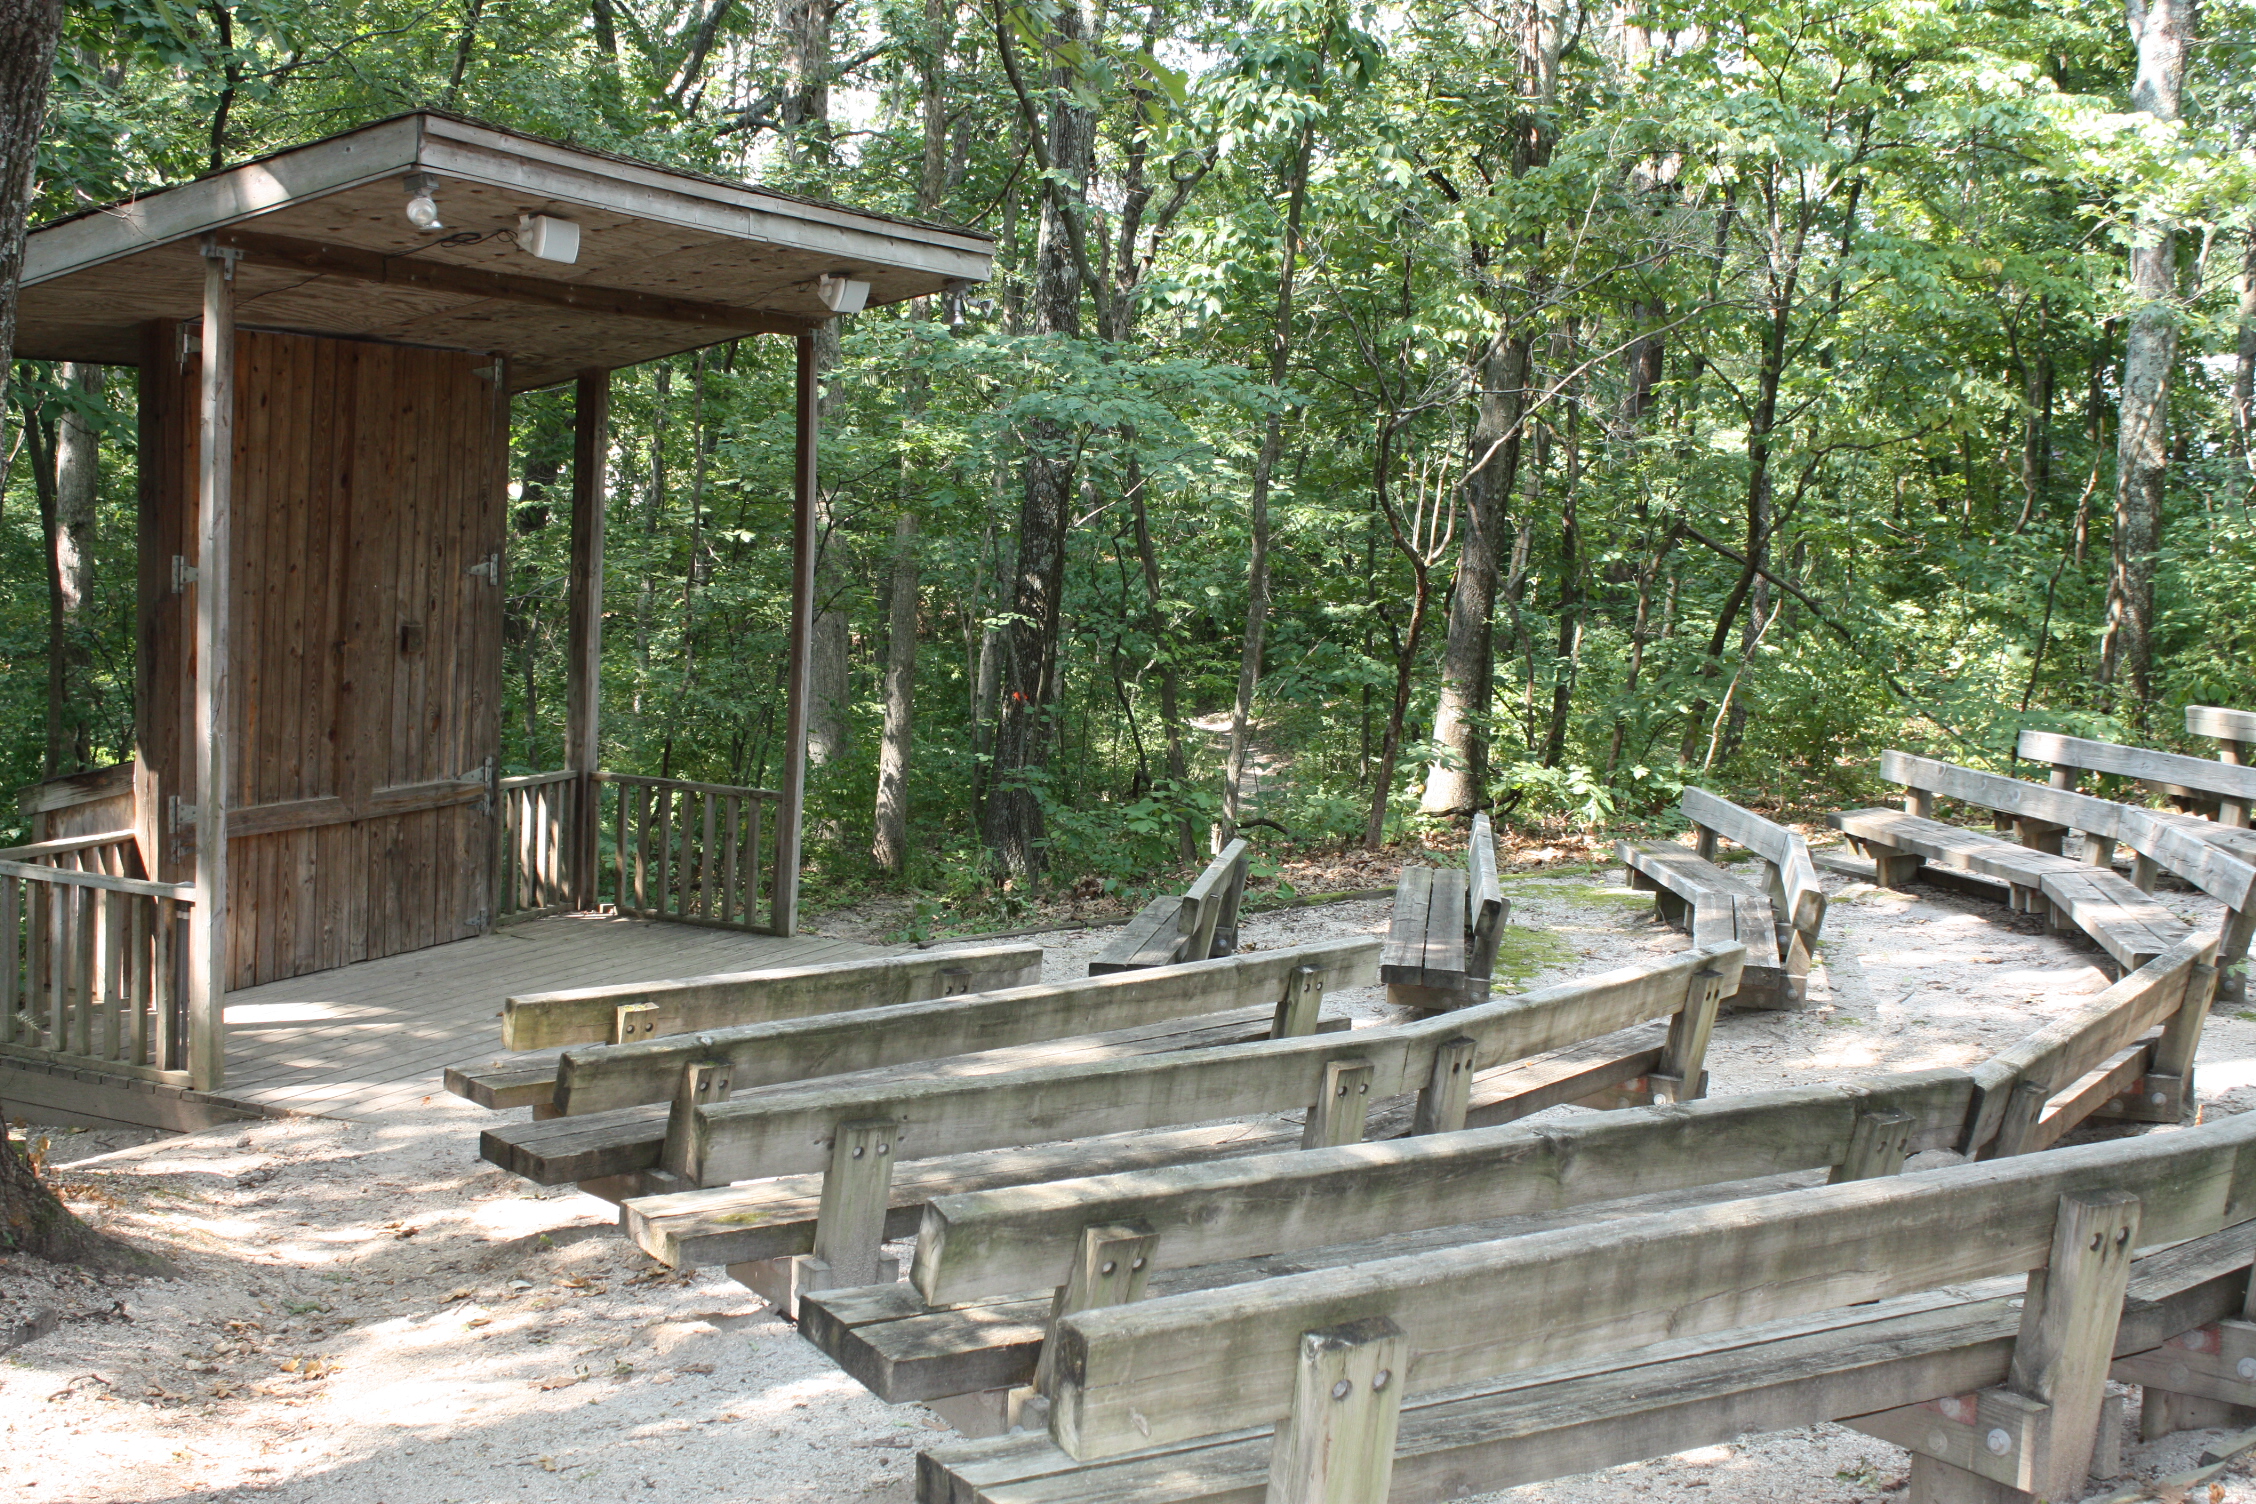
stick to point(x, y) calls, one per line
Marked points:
point(1378, 413)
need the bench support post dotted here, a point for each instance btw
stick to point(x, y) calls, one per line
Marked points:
point(703, 1082)
point(1111, 1267)
point(1878, 1145)
point(1296, 1010)
point(2035, 1437)
point(2164, 1094)
point(1448, 1092)
point(1337, 1445)
point(2199, 1379)
point(2232, 953)
point(1343, 1097)
point(849, 1224)
point(1681, 1075)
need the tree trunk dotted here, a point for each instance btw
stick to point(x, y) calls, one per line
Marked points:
point(2163, 31)
point(1170, 680)
point(70, 568)
point(1457, 782)
point(28, 29)
point(2244, 359)
point(1264, 467)
point(1014, 812)
point(889, 842)
point(1570, 597)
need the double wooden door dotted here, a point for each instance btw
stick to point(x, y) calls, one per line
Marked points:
point(368, 517)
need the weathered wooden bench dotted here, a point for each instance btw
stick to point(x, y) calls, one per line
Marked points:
point(1442, 937)
point(2223, 788)
point(1199, 925)
point(1114, 1104)
point(2087, 895)
point(1777, 918)
point(969, 1330)
point(971, 1324)
point(538, 1027)
point(602, 1132)
point(1887, 1303)
point(2235, 731)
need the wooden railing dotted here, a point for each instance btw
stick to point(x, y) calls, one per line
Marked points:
point(539, 812)
point(93, 958)
point(664, 848)
point(702, 853)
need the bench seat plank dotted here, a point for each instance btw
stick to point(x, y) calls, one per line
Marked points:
point(2129, 925)
point(1448, 916)
point(1953, 846)
point(1402, 960)
point(1724, 907)
point(1153, 938)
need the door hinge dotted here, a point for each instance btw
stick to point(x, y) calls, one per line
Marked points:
point(477, 921)
point(182, 814)
point(489, 568)
point(183, 573)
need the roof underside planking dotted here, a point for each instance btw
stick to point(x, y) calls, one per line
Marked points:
point(668, 260)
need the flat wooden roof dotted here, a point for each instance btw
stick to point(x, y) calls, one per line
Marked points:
point(669, 260)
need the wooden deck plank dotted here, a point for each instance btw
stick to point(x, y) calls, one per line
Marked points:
point(380, 1034)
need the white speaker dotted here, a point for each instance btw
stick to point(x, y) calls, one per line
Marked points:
point(548, 238)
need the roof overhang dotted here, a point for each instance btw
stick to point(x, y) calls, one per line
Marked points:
point(668, 260)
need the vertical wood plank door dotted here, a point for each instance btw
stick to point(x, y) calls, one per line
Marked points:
point(367, 639)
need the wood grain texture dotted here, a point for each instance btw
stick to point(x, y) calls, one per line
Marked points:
point(781, 1130)
point(584, 1015)
point(981, 1244)
point(1197, 1363)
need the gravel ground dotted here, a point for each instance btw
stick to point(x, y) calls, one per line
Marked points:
point(374, 1316)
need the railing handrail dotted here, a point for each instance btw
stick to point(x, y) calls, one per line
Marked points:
point(182, 892)
point(644, 781)
point(535, 780)
point(64, 844)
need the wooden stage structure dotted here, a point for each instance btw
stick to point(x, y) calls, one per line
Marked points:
point(326, 341)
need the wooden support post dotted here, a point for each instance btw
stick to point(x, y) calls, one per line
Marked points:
point(2099, 851)
point(2017, 1127)
point(1893, 869)
point(1343, 1097)
point(2064, 776)
point(1111, 1266)
point(2169, 1079)
point(1704, 846)
point(583, 631)
point(2232, 953)
point(1296, 1010)
point(1919, 802)
point(703, 1083)
point(2067, 1337)
point(1879, 1142)
point(2144, 871)
point(850, 1219)
point(1337, 1445)
point(214, 723)
point(1448, 1092)
point(784, 915)
point(849, 1224)
point(1681, 1074)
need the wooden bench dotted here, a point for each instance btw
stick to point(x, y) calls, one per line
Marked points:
point(1777, 918)
point(1442, 938)
point(971, 1323)
point(1199, 925)
point(681, 1005)
point(2235, 730)
point(600, 1128)
point(1887, 1303)
point(2222, 787)
point(2088, 895)
point(1113, 1104)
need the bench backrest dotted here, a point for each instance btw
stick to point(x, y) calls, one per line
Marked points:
point(1210, 905)
point(2218, 873)
point(597, 1078)
point(2171, 770)
point(2237, 727)
point(590, 1015)
point(1182, 1366)
point(1000, 1242)
point(787, 1130)
point(2059, 1054)
point(1485, 902)
point(1802, 900)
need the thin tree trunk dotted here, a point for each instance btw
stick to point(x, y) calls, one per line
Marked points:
point(1570, 597)
point(2244, 359)
point(889, 842)
point(2163, 31)
point(1264, 467)
point(1406, 656)
point(1014, 825)
point(1170, 678)
point(70, 568)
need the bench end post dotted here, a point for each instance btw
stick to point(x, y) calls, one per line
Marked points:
point(1337, 1445)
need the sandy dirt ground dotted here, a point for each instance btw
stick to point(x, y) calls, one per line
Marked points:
point(371, 1315)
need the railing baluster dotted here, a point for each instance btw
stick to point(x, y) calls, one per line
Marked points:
point(111, 908)
point(728, 858)
point(137, 978)
point(705, 872)
point(164, 977)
